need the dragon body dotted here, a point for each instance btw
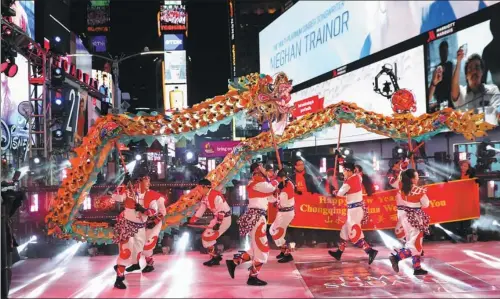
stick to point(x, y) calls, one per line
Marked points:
point(263, 97)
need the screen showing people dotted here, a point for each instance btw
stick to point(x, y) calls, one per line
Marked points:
point(105, 83)
point(463, 71)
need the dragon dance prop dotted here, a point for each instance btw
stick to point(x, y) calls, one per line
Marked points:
point(260, 96)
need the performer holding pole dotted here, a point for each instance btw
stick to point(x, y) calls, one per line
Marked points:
point(153, 201)
point(216, 203)
point(357, 215)
point(129, 231)
point(260, 192)
point(285, 215)
point(415, 221)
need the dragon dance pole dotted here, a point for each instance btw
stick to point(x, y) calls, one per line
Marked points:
point(410, 147)
point(122, 160)
point(336, 155)
point(275, 145)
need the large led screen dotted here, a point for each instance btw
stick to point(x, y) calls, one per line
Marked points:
point(315, 37)
point(357, 86)
point(175, 67)
point(477, 47)
point(105, 85)
point(25, 16)
point(14, 91)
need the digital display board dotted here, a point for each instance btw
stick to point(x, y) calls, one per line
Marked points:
point(357, 86)
point(315, 37)
point(473, 54)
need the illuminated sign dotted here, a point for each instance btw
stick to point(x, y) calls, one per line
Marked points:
point(98, 17)
point(173, 42)
point(173, 18)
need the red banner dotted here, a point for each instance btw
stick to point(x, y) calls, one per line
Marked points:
point(452, 201)
point(309, 105)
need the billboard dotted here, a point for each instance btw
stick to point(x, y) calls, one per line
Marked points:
point(212, 149)
point(175, 96)
point(479, 88)
point(98, 16)
point(315, 37)
point(14, 91)
point(173, 42)
point(173, 18)
point(83, 63)
point(175, 67)
point(25, 16)
point(369, 87)
point(99, 43)
point(104, 85)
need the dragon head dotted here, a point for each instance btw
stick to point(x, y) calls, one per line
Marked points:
point(270, 96)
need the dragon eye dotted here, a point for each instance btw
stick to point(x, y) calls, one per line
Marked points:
point(271, 87)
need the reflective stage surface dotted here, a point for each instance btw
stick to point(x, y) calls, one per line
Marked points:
point(455, 271)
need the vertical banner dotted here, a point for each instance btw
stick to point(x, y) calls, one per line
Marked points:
point(232, 34)
point(72, 111)
point(98, 17)
point(82, 115)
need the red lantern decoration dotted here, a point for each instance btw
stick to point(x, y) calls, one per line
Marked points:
point(403, 101)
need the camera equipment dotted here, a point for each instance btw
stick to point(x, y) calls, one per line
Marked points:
point(11, 201)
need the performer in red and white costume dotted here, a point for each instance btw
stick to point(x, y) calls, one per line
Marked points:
point(154, 201)
point(285, 215)
point(216, 203)
point(415, 221)
point(260, 192)
point(357, 215)
point(129, 231)
point(394, 181)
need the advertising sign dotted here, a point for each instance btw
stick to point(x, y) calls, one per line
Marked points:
point(175, 67)
point(370, 87)
point(14, 91)
point(104, 85)
point(309, 105)
point(451, 201)
point(175, 97)
point(211, 149)
point(99, 43)
point(315, 37)
point(98, 16)
point(232, 31)
point(173, 18)
point(74, 102)
point(173, 42)
point(25, 16)
point(83, 63)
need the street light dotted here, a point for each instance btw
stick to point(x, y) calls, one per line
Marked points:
point(116, 70)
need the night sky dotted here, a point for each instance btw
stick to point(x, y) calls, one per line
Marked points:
point(134, 26)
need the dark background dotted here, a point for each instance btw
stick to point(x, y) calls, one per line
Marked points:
point(134, 26)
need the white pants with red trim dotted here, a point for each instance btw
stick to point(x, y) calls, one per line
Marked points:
point(399, 231)
point(259, 247)
point(279, 226)
point(130, 251)
point(351, 230)
point(414, 237)
point(151, 240)
point(210, 236)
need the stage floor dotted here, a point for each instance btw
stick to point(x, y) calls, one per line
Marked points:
point(455, 271)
